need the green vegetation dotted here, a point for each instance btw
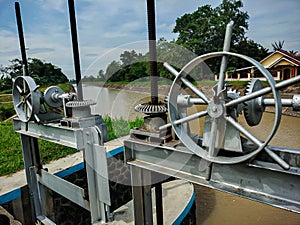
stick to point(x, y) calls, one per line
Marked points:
point(6, 106)
point(199, 32)
point(203, 31)
point(120, 127)
point(66, 87)
point(11, 159)
point(6, 111)
point(43, 73)
point(140, 82)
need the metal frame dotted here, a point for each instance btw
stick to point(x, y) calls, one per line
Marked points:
point(259, 180)
point(89, 140)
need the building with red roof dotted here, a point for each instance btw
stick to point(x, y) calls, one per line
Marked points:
point(281, 64)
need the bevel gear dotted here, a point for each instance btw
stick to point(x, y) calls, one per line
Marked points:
point(254, 108)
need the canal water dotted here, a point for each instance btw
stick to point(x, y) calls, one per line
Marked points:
point(121, 103)
point(214, 207)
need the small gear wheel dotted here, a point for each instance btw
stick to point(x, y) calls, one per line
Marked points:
point(234, 94)
point(83, 103)
point(81, 108)
point(148, 108)
point(254, 108)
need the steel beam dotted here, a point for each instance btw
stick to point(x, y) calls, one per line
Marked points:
point(64, 188)
point(266, 183)
point(53, 132)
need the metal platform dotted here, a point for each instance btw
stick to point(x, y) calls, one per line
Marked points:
point(259, 179)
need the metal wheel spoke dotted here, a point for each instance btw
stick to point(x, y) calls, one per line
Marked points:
point(197, 101)
point(244, 131)
point(277, 159)
point(28, 96)
point(186, 82)
point(212, 142)
point(194, 89)
point(19, 89)
point(19, 104)
point(184, 120)
point(29, 105)
point(274, 156)
point(191, 117)
point(248, 97)
point(25, 110)
point(28, 111)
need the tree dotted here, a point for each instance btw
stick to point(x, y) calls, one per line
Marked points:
point(101, 75)
point(203, 31)
point(278, 46)
point(294, 52)
point(129, 57)
point(44, 74)
point(250, 48)
point(5, 80)
point(112, 71)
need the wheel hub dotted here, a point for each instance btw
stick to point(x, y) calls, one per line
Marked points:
point(215, 110)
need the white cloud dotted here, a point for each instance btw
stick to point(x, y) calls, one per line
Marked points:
point(105, 25)
point(57, 5)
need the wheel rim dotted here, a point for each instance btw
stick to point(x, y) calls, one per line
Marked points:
point(189, 142)
point(25, 98)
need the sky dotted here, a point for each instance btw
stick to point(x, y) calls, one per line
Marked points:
point(107, 28)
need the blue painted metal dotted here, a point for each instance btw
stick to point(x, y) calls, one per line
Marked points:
point(71, 170)
point(16, 193)
point(115, 152)
point(185, 211)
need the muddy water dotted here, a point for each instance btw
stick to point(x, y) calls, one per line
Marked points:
point(213, 207)
point(118, 104)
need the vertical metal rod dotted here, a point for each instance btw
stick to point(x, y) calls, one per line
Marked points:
point(159, 204)
point(148, 209)
point(31, 157)
point(75, 49)
point(152, 51)
point(21, 38)
point(226, 48)
point(137, 192)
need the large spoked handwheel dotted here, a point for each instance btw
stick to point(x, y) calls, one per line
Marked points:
point(217, 111)
point(26, 98)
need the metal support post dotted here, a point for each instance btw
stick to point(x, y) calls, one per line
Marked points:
point(31, 158)
point(159, 204)
point(97, 175)
point(142, 198)
point(90, 140)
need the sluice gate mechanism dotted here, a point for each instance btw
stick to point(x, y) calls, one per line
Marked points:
point(222, 153)
point(64, 119)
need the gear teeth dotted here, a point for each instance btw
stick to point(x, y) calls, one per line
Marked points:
point(246, 105)
point(251, 112)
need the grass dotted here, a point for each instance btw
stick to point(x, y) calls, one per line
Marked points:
point(5, 98)
point(9, 91)
point(120, 127)
point(11, 159)
point(6, 110)
point(66, 87)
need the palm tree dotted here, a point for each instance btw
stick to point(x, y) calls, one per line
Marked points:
point(293, 52)
point(277, 46)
